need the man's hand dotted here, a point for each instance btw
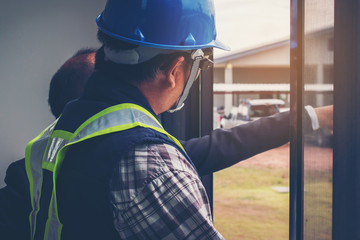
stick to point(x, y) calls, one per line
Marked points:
point(325, 117)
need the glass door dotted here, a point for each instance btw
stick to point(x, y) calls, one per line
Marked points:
point(311, 168)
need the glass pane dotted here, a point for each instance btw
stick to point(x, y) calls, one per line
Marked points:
point(251, 198)
point(318, 152)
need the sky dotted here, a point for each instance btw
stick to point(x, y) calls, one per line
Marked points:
point(244, 24)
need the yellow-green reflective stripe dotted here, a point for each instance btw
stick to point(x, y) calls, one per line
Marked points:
point(55, 232)
point(59, 157)
point(113, 119)
point(59, 160)
point(28, 166)
point(62, 134)
point(121, 117)
point(117, 128)
point(169, 136)
point(44, 136)
point(54, 145)
point(126, 127)
point(113, 109)
point(27, 161)
point(40, 143)
point(48, 166)
point(30, 178)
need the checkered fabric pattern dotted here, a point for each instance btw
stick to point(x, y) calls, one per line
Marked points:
point(157, 194)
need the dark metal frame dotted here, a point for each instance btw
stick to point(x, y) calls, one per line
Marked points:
point(296, 211)
point(206, 120)
point(346, 152)
point(346, 167)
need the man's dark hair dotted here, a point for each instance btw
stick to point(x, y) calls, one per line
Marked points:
point(68, 82)
point(134, 73)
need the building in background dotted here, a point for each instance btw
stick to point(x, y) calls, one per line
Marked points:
point(264, 72)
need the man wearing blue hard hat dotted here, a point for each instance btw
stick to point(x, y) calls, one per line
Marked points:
point(106, 169)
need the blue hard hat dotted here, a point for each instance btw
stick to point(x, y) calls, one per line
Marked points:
point(167, 24)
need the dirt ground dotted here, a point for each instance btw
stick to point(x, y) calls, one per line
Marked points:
point(316, 158)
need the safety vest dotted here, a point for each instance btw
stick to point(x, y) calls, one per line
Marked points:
point(47, 151)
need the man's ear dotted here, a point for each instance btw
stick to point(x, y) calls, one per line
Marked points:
point(176, 70)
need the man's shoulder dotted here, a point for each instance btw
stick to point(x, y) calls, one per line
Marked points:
point(16, 176)
point(146, 162)
point(143, 166)
point(161, 157)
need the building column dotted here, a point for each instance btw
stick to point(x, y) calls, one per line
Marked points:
point(228, 96)
point(320, 80)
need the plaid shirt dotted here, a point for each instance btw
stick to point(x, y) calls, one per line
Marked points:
point(157, 194)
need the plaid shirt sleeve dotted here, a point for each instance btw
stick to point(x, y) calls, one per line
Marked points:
point(156, 194)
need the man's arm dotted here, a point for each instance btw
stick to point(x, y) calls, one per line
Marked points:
point(156, 194)
point(226, 147)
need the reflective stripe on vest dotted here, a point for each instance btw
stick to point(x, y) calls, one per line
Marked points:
point(47, 151)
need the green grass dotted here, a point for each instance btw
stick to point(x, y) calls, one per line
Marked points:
point(318, 205)
point(245, 205)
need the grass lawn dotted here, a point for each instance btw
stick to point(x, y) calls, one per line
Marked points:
point(245, 205)
point(318, 205)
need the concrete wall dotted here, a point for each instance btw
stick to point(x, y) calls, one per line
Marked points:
point(250, 75)
point(255, 75)
point(36, 37)
point(261, 75)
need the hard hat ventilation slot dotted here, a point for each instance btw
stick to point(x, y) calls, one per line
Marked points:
point(190, 40)
point(139, 35)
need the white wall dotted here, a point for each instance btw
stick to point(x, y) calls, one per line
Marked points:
point(36, 37)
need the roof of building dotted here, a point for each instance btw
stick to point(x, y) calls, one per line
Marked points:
point(239, 54)
point(233, 55)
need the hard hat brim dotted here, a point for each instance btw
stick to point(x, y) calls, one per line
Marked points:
point(213, 44)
